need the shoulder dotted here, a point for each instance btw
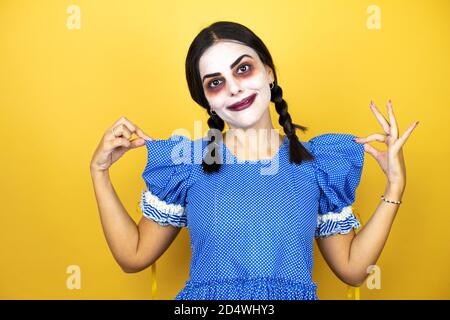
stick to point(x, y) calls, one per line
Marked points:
point(336, 148)
point(328, 141)
point(177, 149)
point(338, 161)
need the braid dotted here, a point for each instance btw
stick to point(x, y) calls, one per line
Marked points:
point(297, 152)
point(214, 122)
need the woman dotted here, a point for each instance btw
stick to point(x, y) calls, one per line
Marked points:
point(251, 233)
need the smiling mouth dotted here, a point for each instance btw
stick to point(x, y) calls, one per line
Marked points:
point(243, 104)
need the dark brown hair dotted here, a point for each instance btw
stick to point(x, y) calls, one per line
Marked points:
point(226, 30)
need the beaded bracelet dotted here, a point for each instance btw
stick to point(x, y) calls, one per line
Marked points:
point(390, 201)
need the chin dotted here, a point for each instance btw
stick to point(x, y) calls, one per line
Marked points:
point(246, 120)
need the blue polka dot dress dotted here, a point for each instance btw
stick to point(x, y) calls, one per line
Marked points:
point(252, 224)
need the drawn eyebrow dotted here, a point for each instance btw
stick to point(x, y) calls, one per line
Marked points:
point(231, 67)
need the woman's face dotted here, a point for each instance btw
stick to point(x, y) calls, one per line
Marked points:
point(231, 71)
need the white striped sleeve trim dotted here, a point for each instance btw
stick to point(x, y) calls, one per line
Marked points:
point(162, 212)
point(333, 223)
point(335, 216)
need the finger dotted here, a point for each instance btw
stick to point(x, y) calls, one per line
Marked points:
point(136, 143)
point(129, 124)
point(115, 143)
point(121, 142)
point(121, 131)
point(408, 132)
point(142, 134)
point(373, 137)
point(123, 120)
point(394, 128)
point(134, 128)
point(371, 150)
point(381, 119)
point(112, 131)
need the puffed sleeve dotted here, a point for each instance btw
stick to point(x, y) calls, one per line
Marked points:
point(338, 167)
point(167, 177)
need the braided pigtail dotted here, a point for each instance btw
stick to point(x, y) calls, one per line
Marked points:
point(297, 152)
point(211, 162)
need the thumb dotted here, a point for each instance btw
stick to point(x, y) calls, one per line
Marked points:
point(371, 150)
point(136, 143)
point(141, 134)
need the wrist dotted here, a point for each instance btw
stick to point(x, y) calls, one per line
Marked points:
point(394, 191)
point(99, 173)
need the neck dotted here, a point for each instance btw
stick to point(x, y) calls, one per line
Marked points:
point(261, 140)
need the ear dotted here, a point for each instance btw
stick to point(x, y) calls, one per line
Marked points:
point(270, 74)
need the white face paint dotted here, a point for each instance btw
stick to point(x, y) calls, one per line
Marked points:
point(247, 77)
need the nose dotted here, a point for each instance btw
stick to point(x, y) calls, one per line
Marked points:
point(234, 87)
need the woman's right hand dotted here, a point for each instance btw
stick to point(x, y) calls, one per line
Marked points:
point(115, 142)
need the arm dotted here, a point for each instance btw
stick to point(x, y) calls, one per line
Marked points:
point(134, 247)
point(120, 230)
point(349, 255)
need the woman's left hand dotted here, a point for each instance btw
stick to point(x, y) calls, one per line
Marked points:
point(391, 161)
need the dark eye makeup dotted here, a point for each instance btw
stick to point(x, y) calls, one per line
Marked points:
point(248, 65)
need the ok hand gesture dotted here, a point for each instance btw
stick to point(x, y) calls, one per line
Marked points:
point(391, 161)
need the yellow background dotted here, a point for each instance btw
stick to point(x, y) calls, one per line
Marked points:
point(61, 89)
